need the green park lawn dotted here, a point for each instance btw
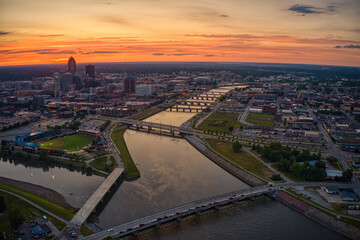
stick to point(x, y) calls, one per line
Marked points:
point(241, 158)
point(70, 143)
point(261, 119)
point(100, 163)
point(261, 116)
point(220, 122)
point(130, 169)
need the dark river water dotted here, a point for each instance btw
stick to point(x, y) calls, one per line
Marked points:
point(74, 186)
point(174, 173)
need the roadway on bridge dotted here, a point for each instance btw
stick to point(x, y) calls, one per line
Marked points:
point(85, 211)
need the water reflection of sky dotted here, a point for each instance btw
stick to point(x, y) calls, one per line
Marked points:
point(172, 173)
point(74, 186)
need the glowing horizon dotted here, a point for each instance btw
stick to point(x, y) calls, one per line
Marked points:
point(301, 32)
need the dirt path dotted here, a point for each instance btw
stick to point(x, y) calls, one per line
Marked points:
point(36, 189)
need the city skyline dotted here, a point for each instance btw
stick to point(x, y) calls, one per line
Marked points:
point(308, 32)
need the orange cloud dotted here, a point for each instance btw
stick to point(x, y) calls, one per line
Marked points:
point(230, 48)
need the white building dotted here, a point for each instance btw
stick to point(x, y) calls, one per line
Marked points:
point(143, 90)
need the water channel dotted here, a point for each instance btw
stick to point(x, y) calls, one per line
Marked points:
point(173, 173)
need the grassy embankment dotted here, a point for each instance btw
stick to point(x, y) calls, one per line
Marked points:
point(261, 119)
point(241, 158)
point(27, 210)
point(130, 170)
point(57, 209)
point(85, 230)
point(220, 122)
point(355, 223)
point(100, 163)
point(69, 143)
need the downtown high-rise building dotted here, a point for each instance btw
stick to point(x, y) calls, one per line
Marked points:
point(129, 85)
point(90, 71)
point(72, 65)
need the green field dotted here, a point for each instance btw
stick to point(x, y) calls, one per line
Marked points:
point(261, 119)
point(70, 143)
point(261, 116)
point(220, 122)
point(130, 170)
point(241, 158)
point(100, 163)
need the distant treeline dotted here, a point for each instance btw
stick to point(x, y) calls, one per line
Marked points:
point(16, 73)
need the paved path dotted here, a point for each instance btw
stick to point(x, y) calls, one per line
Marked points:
point(207, 115)
point(35, 205)
point(267, 164)
point(85, 211)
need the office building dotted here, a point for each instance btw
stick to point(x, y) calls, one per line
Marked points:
point(129, 85)
point(66, 81)
point(72, 65)
point(90, 71)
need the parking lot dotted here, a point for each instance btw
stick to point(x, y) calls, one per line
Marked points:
point(91, 126)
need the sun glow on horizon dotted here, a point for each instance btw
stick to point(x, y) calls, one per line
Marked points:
point(235, 31)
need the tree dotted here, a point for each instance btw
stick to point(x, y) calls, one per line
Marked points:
point(297, 169)
point(276, 177)
point(236, 146)
point(348, 174)
point(231, 128)
point(16, 218)
point(2, 204)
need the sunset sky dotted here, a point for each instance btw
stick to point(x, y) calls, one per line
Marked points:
point(286, 31)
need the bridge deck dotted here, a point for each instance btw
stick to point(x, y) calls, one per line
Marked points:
point(157, 126)
point(85, 211)
point(177, 212)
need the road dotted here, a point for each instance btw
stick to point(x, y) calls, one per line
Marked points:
point(267, 164)
point(179, 212)
point(242, 117)
point(115, 151)
point(207, 115)
point(340, 155)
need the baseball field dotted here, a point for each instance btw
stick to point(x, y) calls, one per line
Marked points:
point(70, 143)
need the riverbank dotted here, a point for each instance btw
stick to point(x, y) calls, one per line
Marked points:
point(38, 190)
point(61, 211)
point(130, 169)
point(235, 171)
point(319, 216)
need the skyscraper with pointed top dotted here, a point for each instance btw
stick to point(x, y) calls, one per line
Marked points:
point(72, 65)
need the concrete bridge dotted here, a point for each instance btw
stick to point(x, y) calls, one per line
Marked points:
point(194, 102)
point(209, 98)
point(178, 212)
point(187, 108)
point(150, 126)
point(85, 211)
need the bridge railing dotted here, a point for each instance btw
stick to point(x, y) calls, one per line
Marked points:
point(151, 217)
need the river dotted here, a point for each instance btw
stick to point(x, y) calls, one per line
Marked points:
point(74, 186)
point(173, 173)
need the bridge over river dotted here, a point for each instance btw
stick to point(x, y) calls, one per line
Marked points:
point(85, 211)
point(180, 211)
point(151, 125)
